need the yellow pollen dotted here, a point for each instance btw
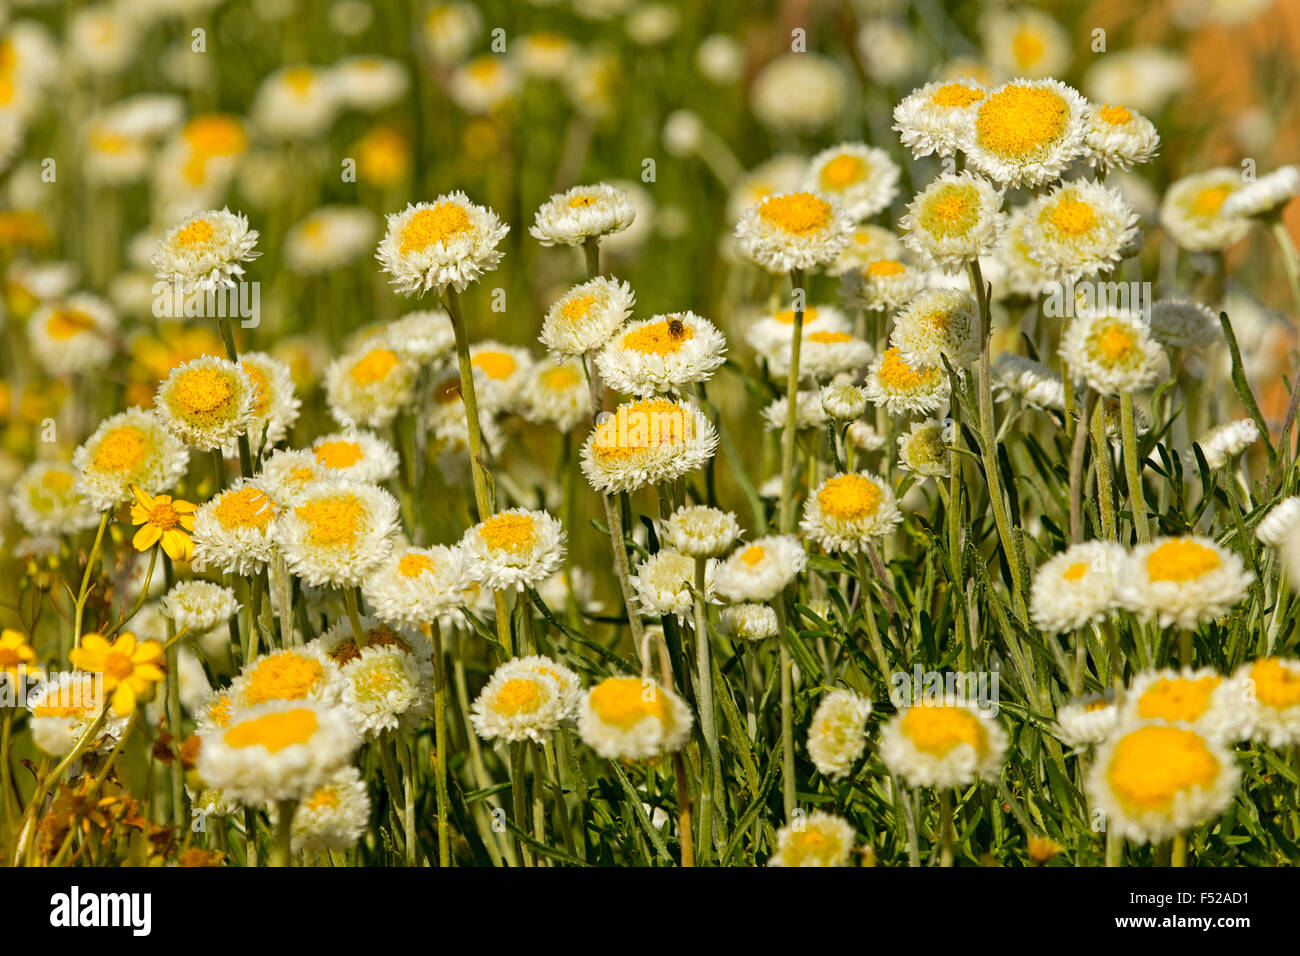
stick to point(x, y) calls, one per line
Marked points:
point(1276, 686)
point(413, 565)
point(1152, 765)
point(797, 213)
point(274, 731)
point(374, 367)
point(645, 426)
point(1114, 115)
point(244, 508)
point(333, 521)
point(282, 676)
point(1027, 48)
point(65, 323)
point(1180, 560)
point(1101, 703)
point(508, 532)
point(197, 233)
point(203, 391)
point(322, 799)
point(1115, 343)
point(1076, 571)
point(844, 170)
point(809, 843)
point(937, 729)
point(117, 664)
point(952, 211)
point(56, 480)
point(896, 374)
point(518, 696)
point(560, 379)
point(122, 449)
point(1021, 121)
point(300, 79)
point(787, 317)
point(581, 201)
point(828, 338)
point(753, 555)
point(433, 225)
point(849, 497)
point(219, 713)
point(303, 474)
point(163, 516)
point(338, 454)
point(495, 365)
point(626, 701)
point(1073, 218)
point(261, 389)
point(215, 134)
point(956, 95)
point(577, 307)
point(1208, 201)
point(886, 267)
point(1178, 700)
point(659, 338)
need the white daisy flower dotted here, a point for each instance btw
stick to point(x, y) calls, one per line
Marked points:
point(816, 839)
point(557, 394)
point(883, 284)
point(760, 571)
point(448, 242)
point(337, 531)
point(293, 673)
point(846, 512)
point(942, 743)
point(1193, 214)
point(647, 442)
point(483, 85)
point(663, 583)
point(62, 708)
point(1032, 382)
point(769, 332)
point(199, 606)
point(74, 335)
point(781, 174)
point(662, 354)
point(823, 356)
point(386, 689)
point(933, 118)
point(204, 251)
point(1275, 526)
point(868, 244)
point(1086, 722)
point(501, 373)
point(863, 179)
point(938, 323)
point(1080, 228)
point(1145, 77)
point(338, 644)
point(131, 448)
point(1202, 699)
point(953, 220)
point(1272, 700)
point(584, 212)
point(808, 411)
point(1267, 194)
point(523, 700)
point(749, 622)
point(1155, 780)
point(901, 387)
point(700, 531)
point(587, 316)
point(356, 455)
point(275, 406)
point(1113, 350)
point(633, 718)
point(369, 385)
point(1119, 137)
point(788, 231)
point(865, 437)
point(423, 338)
point(286, 474)
point(369, 83)
point(282, 750)
point(1183, 581)
point(335, 816)
point(1078, 587)
point(330, 238)
point(1222, 443)
point(414, 586)
point(517, 548)
point(1026, 132)
point(843, 402)
point(798, 93)
point(233, 531)
point(1022, 274)
point(925, 451)
point(1025, 42)
point(295, 102)
point(45, 501)
point(837, 735)
point(207, 403)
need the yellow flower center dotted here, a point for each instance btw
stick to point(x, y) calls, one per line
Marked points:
point(245, 508)
point(433, 225)
point(560, 379)
point(809, 844)
point(828, 338)
point(117, 665)
point(798, 213)
point(274, 732)
point(896, 374)
point(1115, 342)
point(1209, 201)
point(122, 449)
point(283, 676)
point(787, 317)
point(576, 307)
point(518, 696)
point(1076, 571)
point(1276, 686)
point(338, 454)
point(649, 425)
point(300, 79)
point(938, 728)
point(581, 201)
point(203, 392)
point(495, 365)
point(951, 211)
point(844, 170)
point(1021, 121)
point(215, 135)
point(414, 564)
point(1152, 765)
point(197, 233)
point(1178, 699)
point(1073, 218)
point(849, 497)
point(163, 516)
point(957, 95)
point(333, 521)
point(65, 323)
point(625, 701)
point(1114, 115)
point(374, 367)
point(885, 267)
point(508, 532)
point(1027, 47)
point(322, 799)
point(659, 338)
point(56, 480)
point(753, 555)
point(219, 713)
point(1180, 560)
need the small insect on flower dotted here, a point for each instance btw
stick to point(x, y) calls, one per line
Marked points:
point(449, 242)
point(131, 669)
point(846, 512)
point(582, 213)
point(204, 252)
point(815, 839)
point(662, 354)
point(164, 521)
point(799, 230)
point(1156, 780)
point(942, 743)
point(837, 735)
point(633, 718)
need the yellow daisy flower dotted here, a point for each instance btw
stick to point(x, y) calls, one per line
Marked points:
point(131, 668)
point(163, 519)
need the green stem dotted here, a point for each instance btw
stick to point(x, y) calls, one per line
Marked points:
point(1133, 469)
point(792, 409)
point(283, 832)
point(787, 712)
point(945, 827)
point(440, 743)
point(711, 796)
